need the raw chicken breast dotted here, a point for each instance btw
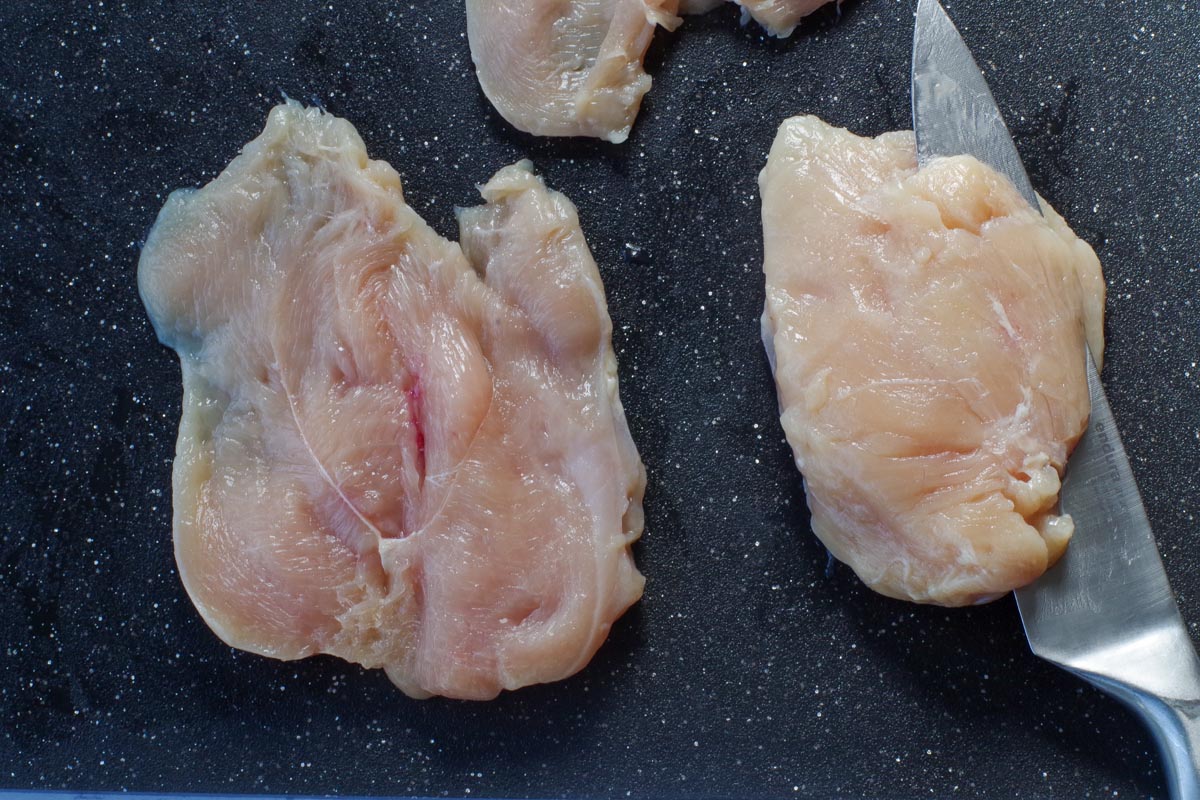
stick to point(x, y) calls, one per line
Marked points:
point(779, 17)
point(566, 67)
point(927, 332)
point(574, 67)
point(391, 451)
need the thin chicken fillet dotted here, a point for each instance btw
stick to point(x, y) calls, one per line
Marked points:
point(927, 330)
point(398, 451)
point(566, 67)
point(574, 67)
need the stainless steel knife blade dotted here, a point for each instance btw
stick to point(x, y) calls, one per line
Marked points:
point(953, 109)
point(1105, 612)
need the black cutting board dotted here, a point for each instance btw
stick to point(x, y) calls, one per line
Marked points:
point(751, 669)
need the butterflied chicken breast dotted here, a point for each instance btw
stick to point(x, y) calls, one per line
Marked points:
point(391, 450)
point(927, 330)
point(565, 67)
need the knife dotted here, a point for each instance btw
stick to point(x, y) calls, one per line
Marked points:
point(1105, 611)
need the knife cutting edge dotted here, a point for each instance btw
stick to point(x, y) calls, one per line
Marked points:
point(1105, 611)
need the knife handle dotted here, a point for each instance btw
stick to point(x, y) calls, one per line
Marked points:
point(1174, 722)
point(1176, 726)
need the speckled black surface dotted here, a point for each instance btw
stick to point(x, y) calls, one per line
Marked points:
point(748, 670)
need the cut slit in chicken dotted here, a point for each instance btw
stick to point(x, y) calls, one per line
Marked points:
point(391, 451)
point(926, 329)
point(574, 67)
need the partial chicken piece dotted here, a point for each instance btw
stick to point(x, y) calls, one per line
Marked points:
point(574, 67)
point(927, 332)
point(390, 451)
point(779, 17)
point(566, 67)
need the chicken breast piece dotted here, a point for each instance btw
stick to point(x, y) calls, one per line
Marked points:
point(566, 67)
point(927, 330)
point(779, 17)
point(574, 67)
point(393, 451)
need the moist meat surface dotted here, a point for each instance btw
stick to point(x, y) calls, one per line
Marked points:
point(403, 452)
point(574, 67)
point(566, 67)
point(927, 332)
